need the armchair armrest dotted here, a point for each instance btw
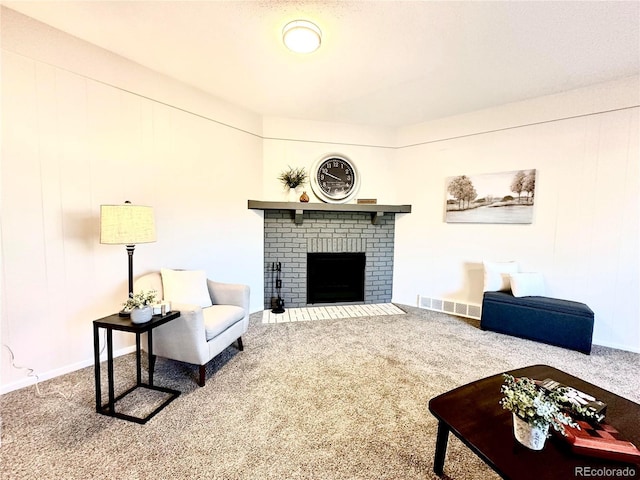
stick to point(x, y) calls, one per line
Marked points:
point(184, 338)
point(229, 294)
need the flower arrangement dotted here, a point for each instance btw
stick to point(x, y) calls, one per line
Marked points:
point(293, 177)
point(524, 398)
point(140, 299)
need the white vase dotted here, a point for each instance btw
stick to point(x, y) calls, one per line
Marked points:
point(293, 195)
point(141, 315)
point(528, 435)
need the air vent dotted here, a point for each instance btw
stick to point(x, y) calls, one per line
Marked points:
point(474, 311)
point(460, 309)
point(424, 302)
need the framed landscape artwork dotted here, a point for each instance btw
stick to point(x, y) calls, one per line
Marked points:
point(506, 197)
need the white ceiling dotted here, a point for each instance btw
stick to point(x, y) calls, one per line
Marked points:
point(386, 63)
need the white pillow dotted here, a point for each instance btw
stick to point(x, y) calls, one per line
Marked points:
point(186, 286)
point(496, 275)
point(527, 284)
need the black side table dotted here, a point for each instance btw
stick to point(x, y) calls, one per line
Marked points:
point(124, 324)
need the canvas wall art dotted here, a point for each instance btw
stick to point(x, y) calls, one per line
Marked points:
point(505, 197)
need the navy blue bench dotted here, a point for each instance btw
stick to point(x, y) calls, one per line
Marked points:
point(562, 323)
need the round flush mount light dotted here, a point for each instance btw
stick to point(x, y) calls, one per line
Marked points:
point(301, 36)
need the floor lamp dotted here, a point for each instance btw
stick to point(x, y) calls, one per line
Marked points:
point(128, 225)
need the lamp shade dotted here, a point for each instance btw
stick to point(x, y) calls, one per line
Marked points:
point(126, 224)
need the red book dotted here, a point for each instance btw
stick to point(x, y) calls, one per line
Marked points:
point(601, 440)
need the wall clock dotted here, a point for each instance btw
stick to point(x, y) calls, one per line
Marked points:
point(335, 179)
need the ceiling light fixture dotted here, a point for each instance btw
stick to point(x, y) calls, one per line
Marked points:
point(301, 36)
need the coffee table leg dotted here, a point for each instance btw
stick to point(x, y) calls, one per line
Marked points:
point(441, 447)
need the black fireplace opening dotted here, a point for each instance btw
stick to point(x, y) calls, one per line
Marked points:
point(335, 277)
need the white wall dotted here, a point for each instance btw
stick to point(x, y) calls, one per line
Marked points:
point(82, 127)
point(584, 236)
point(299, 143)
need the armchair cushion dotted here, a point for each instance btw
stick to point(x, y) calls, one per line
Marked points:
point(186, 286)
point(218, 318)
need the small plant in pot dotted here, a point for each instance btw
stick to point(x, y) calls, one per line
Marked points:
point(292, 178)
point(534, 411)
point(140, 305)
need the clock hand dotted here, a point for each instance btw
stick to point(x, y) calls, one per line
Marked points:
point(333, 176)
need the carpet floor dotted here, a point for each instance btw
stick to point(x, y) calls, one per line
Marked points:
point(328, 399)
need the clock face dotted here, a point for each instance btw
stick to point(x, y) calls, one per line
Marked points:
point(335, 179)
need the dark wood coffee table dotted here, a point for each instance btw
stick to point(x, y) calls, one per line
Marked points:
point(472, 414)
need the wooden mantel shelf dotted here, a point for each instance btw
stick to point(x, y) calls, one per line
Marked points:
point(299, 208)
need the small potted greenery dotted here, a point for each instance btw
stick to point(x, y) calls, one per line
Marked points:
point(140, 305)
point(292, 178)
point(534, 411)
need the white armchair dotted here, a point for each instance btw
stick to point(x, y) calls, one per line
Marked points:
point(213, 315)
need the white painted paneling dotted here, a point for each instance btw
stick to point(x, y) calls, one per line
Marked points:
point(626, 304)
point(574, 103)
point(300, 143)
point(70, 144)
point(614, 227)
point(584, 236)
point(49, 153)
point(24, 268)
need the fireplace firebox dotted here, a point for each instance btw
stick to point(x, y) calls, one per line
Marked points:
point(335, 277)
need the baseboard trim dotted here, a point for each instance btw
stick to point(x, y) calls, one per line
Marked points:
point(43, 376)
point(616, 346)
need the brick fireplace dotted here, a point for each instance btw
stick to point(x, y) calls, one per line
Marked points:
point(289, 242)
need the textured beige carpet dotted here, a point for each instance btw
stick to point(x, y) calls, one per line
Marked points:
point(330, 399)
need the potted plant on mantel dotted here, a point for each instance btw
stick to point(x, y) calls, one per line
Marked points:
point(140, 306)
point(534, 410)
point(292, 179)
